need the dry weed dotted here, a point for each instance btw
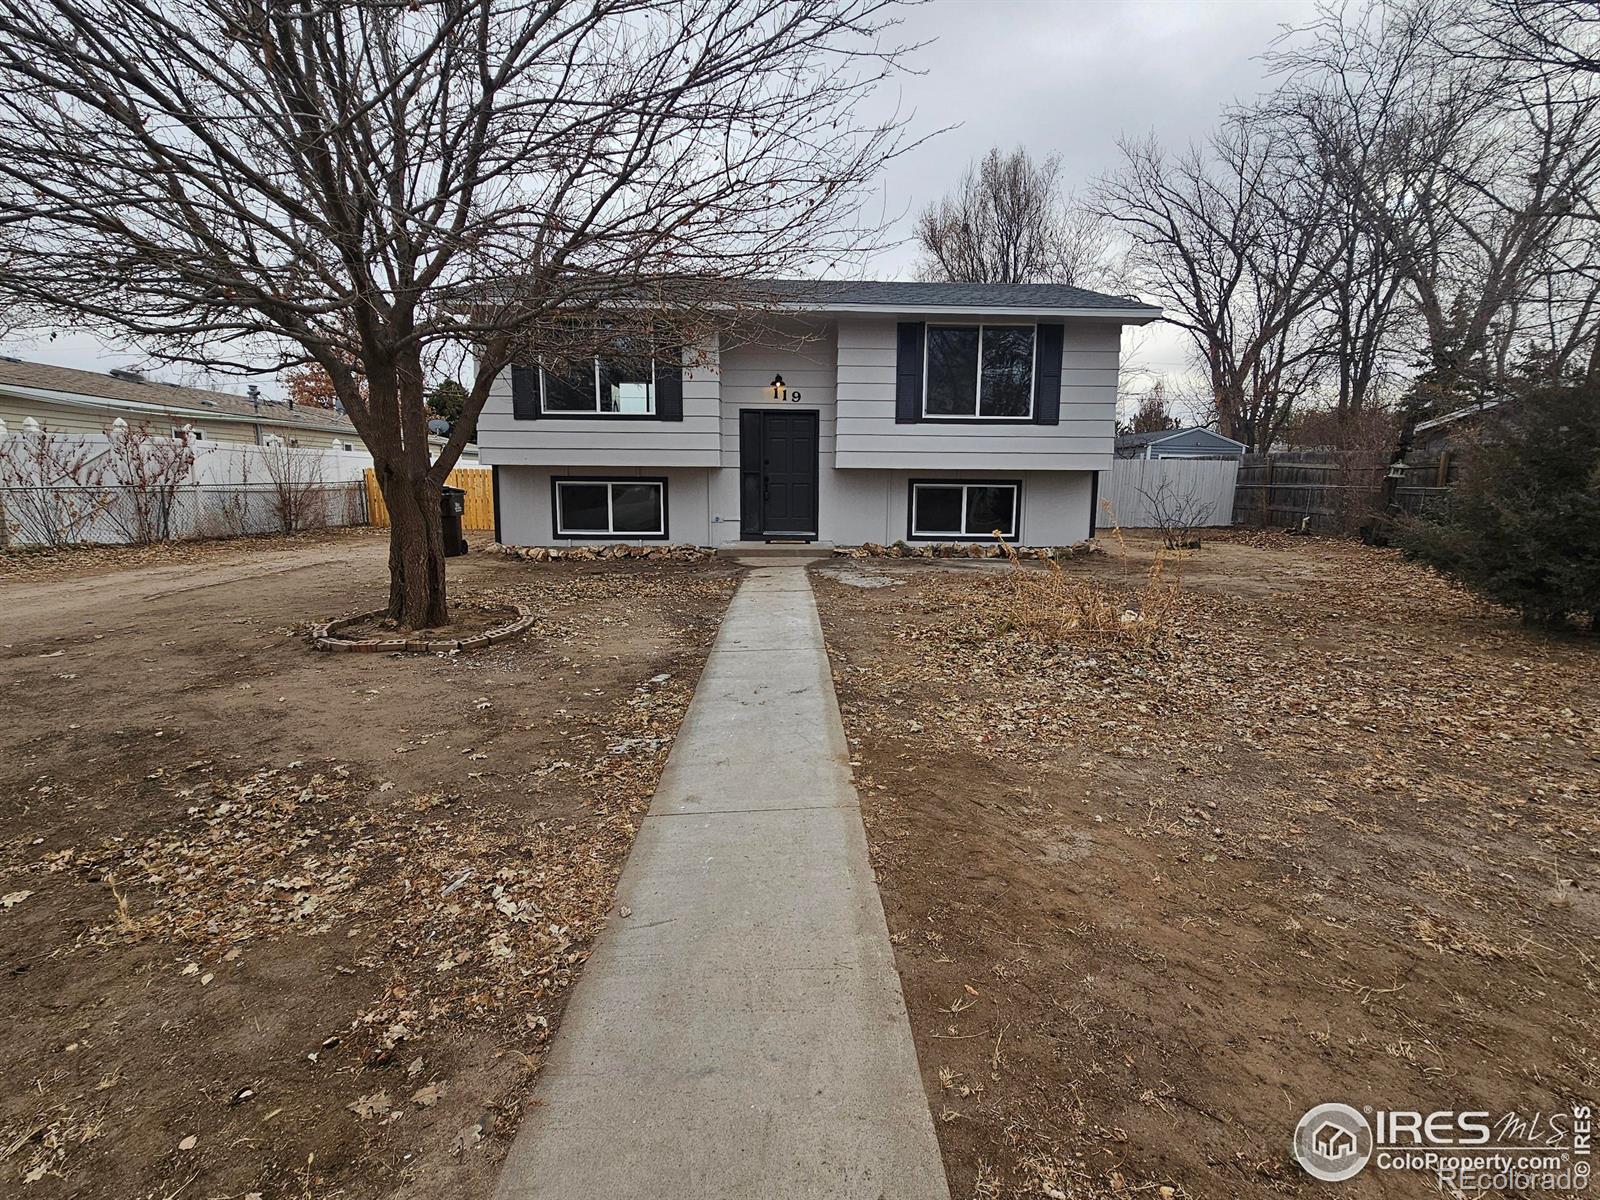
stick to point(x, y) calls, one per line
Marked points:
point(1049, 604)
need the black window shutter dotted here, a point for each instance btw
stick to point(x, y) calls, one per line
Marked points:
point(525, 393)
point(669, 386)
point(908, 373)
point(1047, 375)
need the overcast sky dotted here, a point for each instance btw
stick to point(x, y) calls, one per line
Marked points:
point(1056, 76)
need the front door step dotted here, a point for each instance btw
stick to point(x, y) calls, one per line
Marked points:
point(775, 549)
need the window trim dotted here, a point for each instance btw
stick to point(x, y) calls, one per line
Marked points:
point(597, 413)
point(557, 533)
point(977, 418)
point(911, 510)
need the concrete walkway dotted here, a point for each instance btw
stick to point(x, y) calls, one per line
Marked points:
point(741, 1035)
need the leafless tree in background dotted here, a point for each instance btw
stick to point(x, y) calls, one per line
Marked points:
point(1555, 36)
point(297, 490)
point(52, 486)
point(387, 189)
point(1231, 237)
point(146, 474)
point(1411, 212)
point(1475, 178)
point(1009, 221)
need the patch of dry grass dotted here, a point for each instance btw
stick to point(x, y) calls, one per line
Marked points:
point(1049, 605)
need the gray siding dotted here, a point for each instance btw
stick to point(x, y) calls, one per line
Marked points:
point(804, 354)
point(552, 441)
point(869, 437)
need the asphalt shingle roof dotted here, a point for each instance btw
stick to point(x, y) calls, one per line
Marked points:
point(1161, 435)
point(896, 294)
point(93, 384)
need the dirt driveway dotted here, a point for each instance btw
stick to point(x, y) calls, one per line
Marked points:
point(1334, 834)
point(294, 924)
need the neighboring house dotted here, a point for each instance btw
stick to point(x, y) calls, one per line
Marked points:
point(70, 401)
point(1193, 442)
point(1448, 433)
point(864, 412)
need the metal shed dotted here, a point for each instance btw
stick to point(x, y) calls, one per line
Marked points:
point(1194, 442)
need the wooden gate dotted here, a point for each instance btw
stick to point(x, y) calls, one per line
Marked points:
point(476, 482)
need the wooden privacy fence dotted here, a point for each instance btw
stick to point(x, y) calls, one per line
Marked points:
point(477, 482)
point(1327, 492)
point(1135, 487)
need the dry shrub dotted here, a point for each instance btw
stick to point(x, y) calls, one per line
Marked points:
point(1050, 605)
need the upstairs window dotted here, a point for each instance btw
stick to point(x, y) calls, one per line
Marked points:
point(620, 384)
point(980, 372)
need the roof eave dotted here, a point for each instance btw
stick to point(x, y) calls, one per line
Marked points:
point(83, 400)
point(1140, 315)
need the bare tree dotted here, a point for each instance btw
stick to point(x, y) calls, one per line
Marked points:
point(1556, 36)
point(297, 491)
point(148, 474)
point(388, 189)
point(52, 485)
point(1231, 237)
point(1179, 513)
point(1009, 221)
point(1471, 176)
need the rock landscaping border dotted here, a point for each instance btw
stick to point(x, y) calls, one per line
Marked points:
point(326, 637)
point(688, 553)
point(966, 550)
point(678, 553)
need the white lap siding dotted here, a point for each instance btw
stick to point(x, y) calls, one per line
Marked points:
point(869, 437)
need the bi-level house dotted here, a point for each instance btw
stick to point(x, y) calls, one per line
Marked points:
point(860, 412)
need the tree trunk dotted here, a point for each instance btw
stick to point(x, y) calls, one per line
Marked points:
point(416, 548)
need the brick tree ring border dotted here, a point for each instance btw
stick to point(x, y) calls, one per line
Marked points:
point(326, 637)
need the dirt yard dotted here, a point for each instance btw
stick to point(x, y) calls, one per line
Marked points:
point(1330, 832)
point(287, 924)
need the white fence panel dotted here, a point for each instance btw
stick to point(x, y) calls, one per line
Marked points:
point(86, 488)
point(220, 463)
point(1128, 488)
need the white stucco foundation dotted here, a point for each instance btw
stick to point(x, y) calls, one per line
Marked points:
point(854, 506)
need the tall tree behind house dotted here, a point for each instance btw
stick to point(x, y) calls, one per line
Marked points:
point(1231, 237)
point(1010, 221)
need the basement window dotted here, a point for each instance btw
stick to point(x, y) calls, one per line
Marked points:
point(625, 508)
point(970, 511)
point(979, 372)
